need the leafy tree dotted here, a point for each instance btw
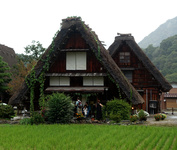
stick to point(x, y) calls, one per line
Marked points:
point(171, 77)
point(26, 59)
point(5, 77)
point(35, 50)
point(19, 73)
point(164, 57)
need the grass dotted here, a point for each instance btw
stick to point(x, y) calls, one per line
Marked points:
point(66, 137)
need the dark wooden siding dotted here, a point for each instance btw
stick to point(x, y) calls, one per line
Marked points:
point(141, 76)
point(76, 42)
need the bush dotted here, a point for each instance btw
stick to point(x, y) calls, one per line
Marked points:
point(26, 121)
point(6, 111)
point(133, 118)
point(115, 117)
point(142, 115)
point(60, 109)
point(118, 107)
point(37, 118)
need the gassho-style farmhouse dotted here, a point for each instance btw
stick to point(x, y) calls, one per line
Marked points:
point(76, 63)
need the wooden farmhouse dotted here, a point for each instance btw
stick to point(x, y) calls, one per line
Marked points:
point(140, 71)
point(169, 99)
point(77, 64)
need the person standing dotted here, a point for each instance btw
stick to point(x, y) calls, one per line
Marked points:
point(98, 110)
point(79, 106)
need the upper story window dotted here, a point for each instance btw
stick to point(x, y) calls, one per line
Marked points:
point(124, 57)
point(76, 61)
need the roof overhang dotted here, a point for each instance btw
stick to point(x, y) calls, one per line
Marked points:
point(76, 89)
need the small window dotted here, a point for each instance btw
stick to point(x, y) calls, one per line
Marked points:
point(128, 75)
point(124, 57)
point(59, 81)
point(93, 81)
point(76, 61)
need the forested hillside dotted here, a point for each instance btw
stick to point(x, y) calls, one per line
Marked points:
point(164, 57)
point(169, 28)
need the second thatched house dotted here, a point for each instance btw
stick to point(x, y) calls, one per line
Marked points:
point(140, 71)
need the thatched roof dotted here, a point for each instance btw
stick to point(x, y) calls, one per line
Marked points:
point(8, 55)
point(76, 24)
point(129, 40)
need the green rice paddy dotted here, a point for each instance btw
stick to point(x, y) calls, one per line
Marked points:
point(83, 137)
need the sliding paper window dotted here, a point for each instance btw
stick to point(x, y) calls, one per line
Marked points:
point(59, 81)
point(93, 81)
point(76, 61)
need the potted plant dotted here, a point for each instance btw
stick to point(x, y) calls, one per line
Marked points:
point(163, 116)
point(142, 115)
point(133, 118)
point(158, 117)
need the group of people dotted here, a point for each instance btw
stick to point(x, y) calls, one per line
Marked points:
point(86, 109)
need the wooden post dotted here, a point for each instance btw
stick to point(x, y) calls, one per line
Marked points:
point(147, 100)
point(172, 111)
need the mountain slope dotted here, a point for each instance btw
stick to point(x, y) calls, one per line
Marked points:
point(164, 57)
point(169, 28)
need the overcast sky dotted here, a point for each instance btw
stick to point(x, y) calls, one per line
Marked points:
point(22, 21)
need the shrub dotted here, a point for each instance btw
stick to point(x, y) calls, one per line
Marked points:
point(37, 118)
point(115, 117)
point(133, 118)
point(60, 109)
point(25, 121)
point(142, 115)
point(6, 111)
point(118, 107)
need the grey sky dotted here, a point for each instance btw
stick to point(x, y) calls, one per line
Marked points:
point(25, 20)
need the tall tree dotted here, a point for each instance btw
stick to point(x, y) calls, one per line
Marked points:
point(5, 77)
point(35, 50)
point(19, 73)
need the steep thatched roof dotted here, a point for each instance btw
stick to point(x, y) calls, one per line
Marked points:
point(75, 24)
point(129, 40)
point(8, 55)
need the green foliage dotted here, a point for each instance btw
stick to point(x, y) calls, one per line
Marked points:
point(25, 121)
point(35, 50)
point(118, 107)
point(6, 111)
point(164, 57)
point(171, 77)
point(60, 108)
point(133, 118)
point(4, 76)
point(37, 118)
point(115, 117)
point(142, 115)
point(26, 59)
point(87, 137)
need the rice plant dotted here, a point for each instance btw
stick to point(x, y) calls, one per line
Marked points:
point(90, 137)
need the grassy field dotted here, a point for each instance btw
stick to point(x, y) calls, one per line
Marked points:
point(83, 137)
